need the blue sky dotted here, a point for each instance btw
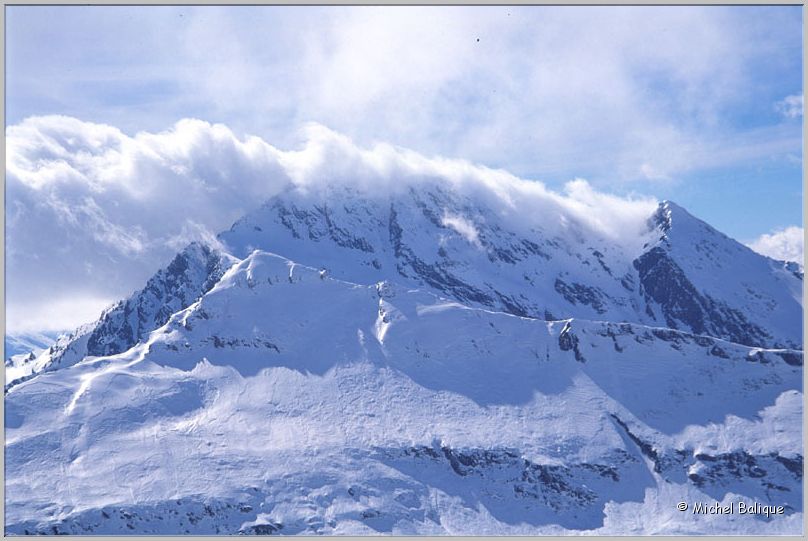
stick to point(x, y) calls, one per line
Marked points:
point(701, 105)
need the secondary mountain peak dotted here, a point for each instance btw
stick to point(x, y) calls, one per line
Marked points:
point(191, 273)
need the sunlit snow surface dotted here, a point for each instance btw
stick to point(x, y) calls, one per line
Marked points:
point(290, 399)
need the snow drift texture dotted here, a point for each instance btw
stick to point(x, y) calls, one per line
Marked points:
point(454, 353)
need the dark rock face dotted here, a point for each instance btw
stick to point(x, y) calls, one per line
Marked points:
point(317, 223)
point(576, 293)
point(733, 465)
point(662, 282)
point(518, 489)
point(236, 343)
point(645, 448)
point(794, 465)
point(191, 274)
point(793, 358)
point(770, 478)
point(675, 339)
point(568, 341)
point(206, 516)
point(794, 269)
point(436, 275)
point(661, 219)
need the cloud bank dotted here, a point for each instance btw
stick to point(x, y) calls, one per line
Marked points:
point(617, 93)
point(784, 244)
point(93, 212)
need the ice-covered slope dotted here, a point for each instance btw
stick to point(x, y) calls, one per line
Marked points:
point(288, 401)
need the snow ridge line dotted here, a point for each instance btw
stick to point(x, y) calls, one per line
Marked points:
point(247, 263)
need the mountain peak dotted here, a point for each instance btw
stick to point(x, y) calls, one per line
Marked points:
point(698, 278)
point(669, 213)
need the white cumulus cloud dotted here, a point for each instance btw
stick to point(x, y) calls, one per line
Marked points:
point(785, 244)
point(92, 212)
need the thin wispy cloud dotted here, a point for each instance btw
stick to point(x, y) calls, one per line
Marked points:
point(790, 106)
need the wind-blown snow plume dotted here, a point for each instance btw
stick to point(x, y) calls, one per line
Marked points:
point(463, 227)
point(99, 197)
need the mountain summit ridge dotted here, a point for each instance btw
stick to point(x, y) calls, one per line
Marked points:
point(463, 249)
point(459, 248)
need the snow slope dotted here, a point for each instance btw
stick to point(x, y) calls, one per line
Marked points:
point(411, 365)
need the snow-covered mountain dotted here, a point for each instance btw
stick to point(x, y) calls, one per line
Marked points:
point(681, 273)
point(423, 362)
